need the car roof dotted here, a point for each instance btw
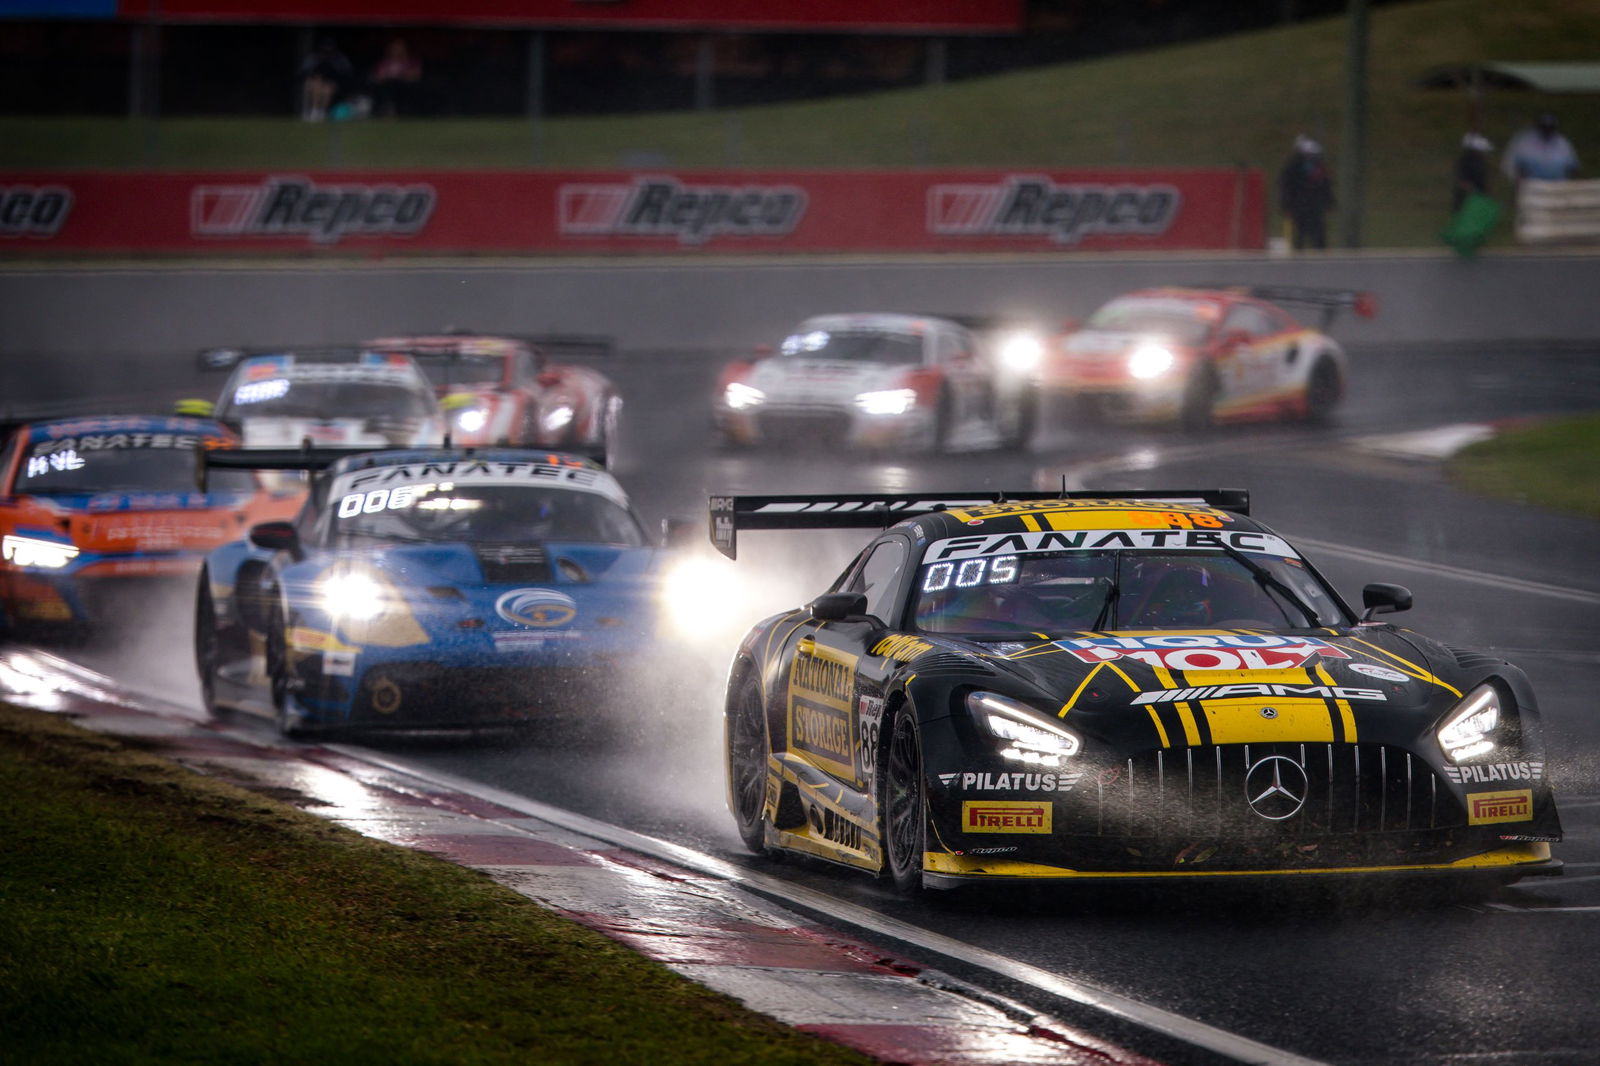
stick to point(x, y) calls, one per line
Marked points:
point(551, 469)
point(59, 428)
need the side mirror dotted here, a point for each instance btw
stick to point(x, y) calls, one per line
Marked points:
point(1380, 598)
point(681, 532)
point(838, 606)
point(277, 537)
point(1235, 338)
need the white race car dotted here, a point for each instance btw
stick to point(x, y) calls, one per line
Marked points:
point(875, 380)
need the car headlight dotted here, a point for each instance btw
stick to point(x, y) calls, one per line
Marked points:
point(1021, 352)
point(1028, 735)
point(887, 402)
point(32, 551)
point(738, 395)
point(353, 595)
point(554, 419)
point(471, 419)
point(1150, 361)
point(1470, 729)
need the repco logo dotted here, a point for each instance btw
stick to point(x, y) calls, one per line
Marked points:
point(664, 207)
point(297, 207)
point(1038, 207)
point(33, 210)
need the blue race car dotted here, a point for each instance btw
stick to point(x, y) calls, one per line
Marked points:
point(427, 588)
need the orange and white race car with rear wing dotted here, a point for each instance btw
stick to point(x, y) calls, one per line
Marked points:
point(1202, 355)
point(96, 513)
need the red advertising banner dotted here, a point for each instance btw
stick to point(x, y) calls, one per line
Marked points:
point(724, 211)
point(893, 16)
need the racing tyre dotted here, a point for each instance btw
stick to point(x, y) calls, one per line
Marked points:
point(939, 432)
point(1199, 401)
point(278, 670)
point(903, 819)
point(608, 431)
point(1323, 391)
point(747, 763)
point(207, 645)
point(1024, 420)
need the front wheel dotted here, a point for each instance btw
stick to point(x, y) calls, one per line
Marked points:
point(1200, 400)
point(747, 763)
point(207, 645)
point(277, 639)
point(1323, 391)
point(903, 814)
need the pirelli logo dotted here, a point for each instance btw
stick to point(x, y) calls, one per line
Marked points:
point(1487, 808)
point(1005, 816)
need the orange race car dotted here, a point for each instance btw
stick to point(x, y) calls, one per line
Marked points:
point(1203, 355)
point(96, 512)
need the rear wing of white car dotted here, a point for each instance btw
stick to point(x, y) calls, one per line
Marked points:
point(866, 510)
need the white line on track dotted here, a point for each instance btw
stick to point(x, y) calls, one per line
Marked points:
point(1515, 584)
point(1196, 1033)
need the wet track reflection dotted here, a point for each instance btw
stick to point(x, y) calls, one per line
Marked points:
point(1402, 976)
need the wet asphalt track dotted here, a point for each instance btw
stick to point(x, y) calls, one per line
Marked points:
point(1344, 980)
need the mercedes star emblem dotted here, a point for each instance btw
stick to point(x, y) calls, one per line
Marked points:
point(1276, 788)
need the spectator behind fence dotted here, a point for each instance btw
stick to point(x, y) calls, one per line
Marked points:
point(1540, 151)
point(1472, 170)
point(1305, 193)
point(326, 76)
point(395, 81)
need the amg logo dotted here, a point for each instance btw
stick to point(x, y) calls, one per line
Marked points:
point(664, 207)
point(33, 210)
point(1486, 808)
point(297, 207)
point(1031, 205)
point(1005, 816)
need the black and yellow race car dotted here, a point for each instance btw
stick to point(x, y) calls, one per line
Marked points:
point(1146, 685)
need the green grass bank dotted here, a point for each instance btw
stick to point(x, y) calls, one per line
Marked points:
point(149, 914)
point(1227, 102)
point(1553, 464)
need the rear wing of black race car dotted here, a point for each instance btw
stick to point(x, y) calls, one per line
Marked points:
point(310, 460)
point(1329, 301)
point(866, 510)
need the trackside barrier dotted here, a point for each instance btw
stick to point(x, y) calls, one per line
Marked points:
point(1558, 212)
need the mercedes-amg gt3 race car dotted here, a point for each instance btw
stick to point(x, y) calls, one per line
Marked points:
point(97, 513)
point(1069, 687)
point(1198, 356)
point(507, 390)
point(874, 381)
point(351, 397)
point(424, 588)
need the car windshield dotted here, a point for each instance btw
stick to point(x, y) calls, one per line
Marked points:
point(854, 346)
point(445, 511)
point(284, 397)
point(1055, 594)
point(1184, 321)
point(464, 369)
point(69, 470)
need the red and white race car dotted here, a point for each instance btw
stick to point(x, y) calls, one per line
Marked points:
point(1204, 355)
point(506, 390)
point(875, 380)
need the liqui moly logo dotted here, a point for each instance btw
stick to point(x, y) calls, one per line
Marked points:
point(691, 214)
point(1238, 651)
point(1035, 206)
point(298, 207)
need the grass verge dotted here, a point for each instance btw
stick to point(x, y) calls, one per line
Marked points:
point(149, 914)
point(1551, 464)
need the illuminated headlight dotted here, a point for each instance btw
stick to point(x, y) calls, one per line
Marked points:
point(1466, 734)
point(1021, 352)
point(556, 418)
point(44, 554)
point(471, 419)
point(739, 396)
point(887, 402)
point(1150, 361)
point(696, 591)
point(1029, 736)
point(353, 595)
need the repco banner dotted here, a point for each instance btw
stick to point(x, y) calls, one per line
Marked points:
point(634, 212)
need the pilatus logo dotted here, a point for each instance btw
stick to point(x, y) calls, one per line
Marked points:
point(693, 214)
point(297, 207)
point(1034, 206)
point(33, 210)
point(540, 608)
point(1276, 788)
